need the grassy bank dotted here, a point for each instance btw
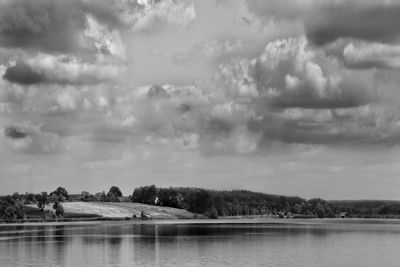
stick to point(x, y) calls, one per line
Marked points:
point(107, 210)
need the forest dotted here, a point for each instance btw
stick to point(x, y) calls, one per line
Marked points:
point(209, 203)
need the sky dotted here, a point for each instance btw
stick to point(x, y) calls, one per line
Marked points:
point(294, 97)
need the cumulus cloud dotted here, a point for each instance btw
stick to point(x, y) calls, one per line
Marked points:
point(290, 74)
point(290, 91)
point(52, 26)
point(297, 94)
point(28, 138)
point(83, 27)
point(107, 41)
point(365, 55)
point(153, 15)
point(97, 88)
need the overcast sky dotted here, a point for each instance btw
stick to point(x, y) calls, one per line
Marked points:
point(294, 97)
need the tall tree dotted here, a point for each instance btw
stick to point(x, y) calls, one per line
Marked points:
point(59, 209)
point(116, 191)
point(61, 193)
point(43, 200)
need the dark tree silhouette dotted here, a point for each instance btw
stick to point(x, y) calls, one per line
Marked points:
point(42, 199)
point(116, 191)
point(61, 193)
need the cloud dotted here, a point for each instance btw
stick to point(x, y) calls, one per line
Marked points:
point(30, 139)
point(289, 91)
point(377, 22)
point(154, 15)
point(14, 132)
point(107, 40)
point(60, 69)
point(285, 9)
point(51, 26)
point(298, 94)
point(326, 21)
point(364, 55)
point(23, 74)
point(290, 74)
point(217, 51)
point(82, 27)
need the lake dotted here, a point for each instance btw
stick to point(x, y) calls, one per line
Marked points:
point(257, 242)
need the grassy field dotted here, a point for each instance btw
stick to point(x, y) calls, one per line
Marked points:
point(116, 210)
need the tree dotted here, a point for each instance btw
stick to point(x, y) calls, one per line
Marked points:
point(59, 209)
point(16, 196)
point(170, 197)
point(103, 197)
point(43, 200)
point(9, 214)
point(145, 194)
point(137, 195)
point(61, 193)
point(200, 201)
point(297, 208)
point(19, 209)
point(116, 191)
point(111, 197)
point(30, 198)
point(320, 210)
point(87, 197)
point(212, 213)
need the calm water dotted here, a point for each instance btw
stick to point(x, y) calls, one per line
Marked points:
point(244, 243)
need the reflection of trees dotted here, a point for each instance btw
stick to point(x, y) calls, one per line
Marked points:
point(59, 233)
point(59, 236)
point(114, 240)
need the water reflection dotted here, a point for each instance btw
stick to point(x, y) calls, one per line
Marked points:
point(126, 244)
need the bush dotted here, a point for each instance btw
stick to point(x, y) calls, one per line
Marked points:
point(212, 213)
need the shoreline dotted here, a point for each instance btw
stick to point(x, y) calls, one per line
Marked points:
point(225, 220)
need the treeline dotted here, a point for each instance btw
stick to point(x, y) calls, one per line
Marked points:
point(368, 208)
point(13, 206)
point(242, 203)
point(210, 203)
point(229, 203)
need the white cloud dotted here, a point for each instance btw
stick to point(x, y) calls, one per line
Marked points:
point(372, 55)
point(289, 73)
point(155, 15)
point(105, 38)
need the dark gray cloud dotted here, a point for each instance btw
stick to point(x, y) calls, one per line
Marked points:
point(313, 130)
point(379, 22)
point(51, 26)
point(350, 94)
point(15, 132)
point(329, 20)
point(157, 91)
point(27, 138)
point(45, 69)
point(22, 73)
point(218, 127)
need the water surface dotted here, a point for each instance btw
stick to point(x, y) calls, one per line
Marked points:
point(203, 243)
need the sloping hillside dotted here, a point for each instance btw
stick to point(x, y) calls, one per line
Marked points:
point(120, 210)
